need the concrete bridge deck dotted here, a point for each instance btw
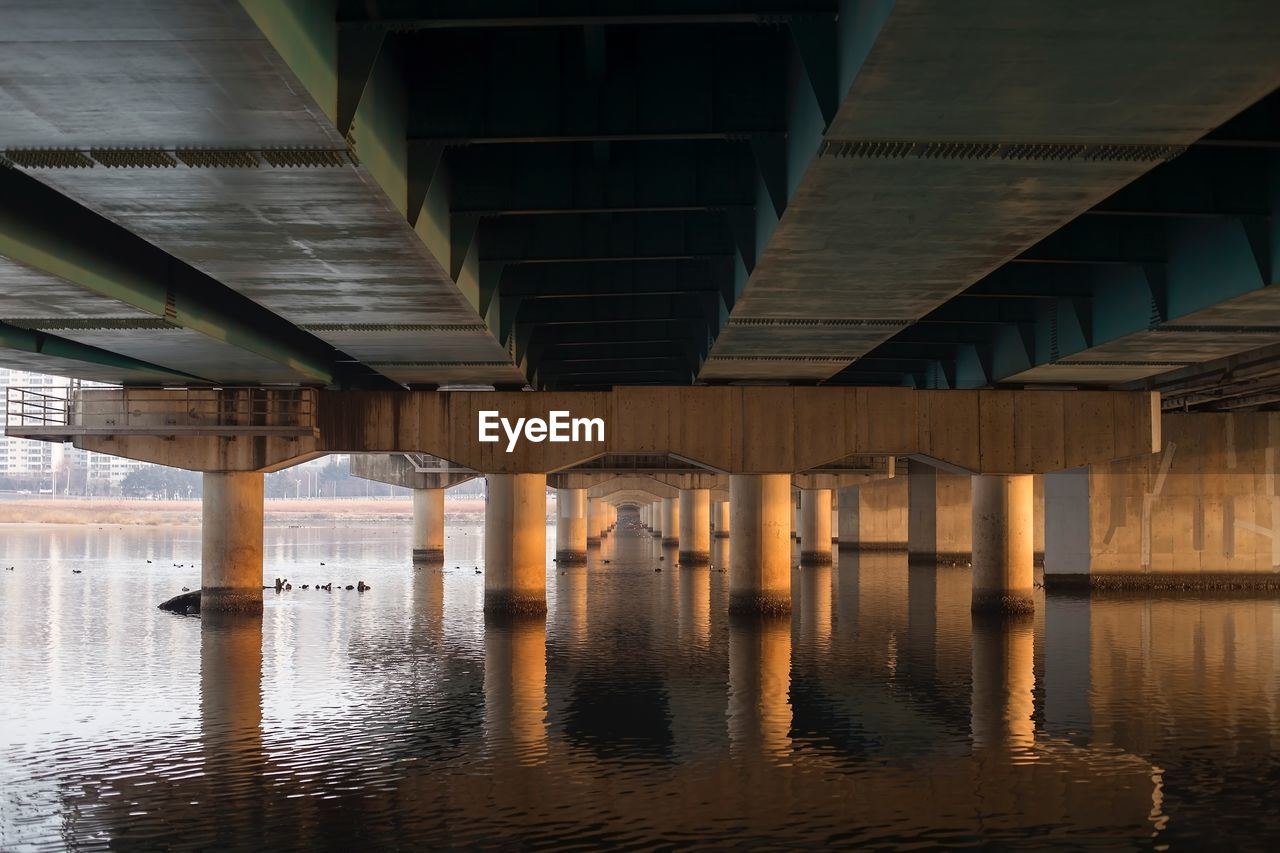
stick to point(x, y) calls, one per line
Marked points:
point(382, 194)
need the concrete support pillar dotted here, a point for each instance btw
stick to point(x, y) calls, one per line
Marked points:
point(571, 526)
point(722, 520)
point(655, 514)
point(670, 521)
point(815, 526)
point(515, 544)
point(873, 517)
point(793, 501)
point(939, 516)
point(231, 542)
point(1003, 543)
point(595, 520)
point(847, 501)
point(695, 527)
point(428, 526)
point(760, 560)
point(835, 524)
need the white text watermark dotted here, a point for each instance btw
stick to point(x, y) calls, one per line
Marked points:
point(558, 427)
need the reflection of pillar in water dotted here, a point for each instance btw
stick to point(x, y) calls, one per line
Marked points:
point(815, 604)
point(720, 554)
point(760, 683)
point(515, 686)
point(695, 607)
point(231, 712)
point(571, 603)
point(1003, 681)
point(428, 603)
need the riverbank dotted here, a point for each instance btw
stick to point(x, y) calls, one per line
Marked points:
point(279, 513)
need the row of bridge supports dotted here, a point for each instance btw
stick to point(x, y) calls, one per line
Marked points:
point(812, 438)
point(759, 519)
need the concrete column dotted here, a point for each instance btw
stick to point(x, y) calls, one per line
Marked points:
point(1003, 543)
point(655, 513)
point(760, 560)
point(695, 527)
point(835, 524)
point(595, 521)
point(515, 544)
point(795, 516)
point(670, 521)
point(231, 542)
point(847, 523)
point(722, 519)
point(571, 526)
point(815, 526)
point(873, 517)
point(428, 526)
point(939, 521)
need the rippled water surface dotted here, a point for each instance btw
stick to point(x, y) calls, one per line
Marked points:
point(637, 714)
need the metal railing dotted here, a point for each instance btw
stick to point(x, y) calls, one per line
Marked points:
point(155, 411)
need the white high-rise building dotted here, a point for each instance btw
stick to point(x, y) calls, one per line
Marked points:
point(50, 466)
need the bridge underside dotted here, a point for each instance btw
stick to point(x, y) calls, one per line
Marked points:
point(400, 193)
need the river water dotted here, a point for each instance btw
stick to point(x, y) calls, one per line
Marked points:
point(637, 715)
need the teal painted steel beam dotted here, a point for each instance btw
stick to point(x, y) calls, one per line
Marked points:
point(43, 343)
point(47, 231)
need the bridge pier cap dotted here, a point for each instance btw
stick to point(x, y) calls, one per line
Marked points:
point(727, 429)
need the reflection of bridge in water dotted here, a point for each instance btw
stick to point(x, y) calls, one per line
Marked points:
point(887, 721)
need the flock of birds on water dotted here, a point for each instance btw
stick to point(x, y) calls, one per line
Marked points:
point(283, 584)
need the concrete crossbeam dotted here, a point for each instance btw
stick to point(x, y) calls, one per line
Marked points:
point(727, 429)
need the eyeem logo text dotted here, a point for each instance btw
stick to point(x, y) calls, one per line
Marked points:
point(559, 427)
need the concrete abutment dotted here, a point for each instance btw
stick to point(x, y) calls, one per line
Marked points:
point(1203, 514)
